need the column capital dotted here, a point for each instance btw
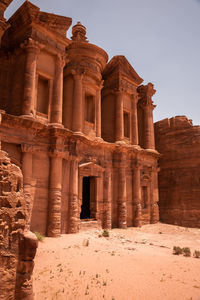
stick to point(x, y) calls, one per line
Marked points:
point(31, 45)
point(57, 153)
point(61, 60)
point(107, 165)
point(147, 106)
point(135, 98)
point(99, 88)
point(27, 148)
point(137, 164)
point(119, 92)
point(145, 93)
point(155, 169)
point(77, 74)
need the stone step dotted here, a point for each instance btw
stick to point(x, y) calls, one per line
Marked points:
point(88, 224)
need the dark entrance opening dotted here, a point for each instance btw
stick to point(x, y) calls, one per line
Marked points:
point(85, 207)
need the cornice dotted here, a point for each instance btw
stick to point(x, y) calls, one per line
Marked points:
point(88, 46)
point(38, 130)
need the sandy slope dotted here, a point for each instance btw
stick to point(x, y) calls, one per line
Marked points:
point(132, 264)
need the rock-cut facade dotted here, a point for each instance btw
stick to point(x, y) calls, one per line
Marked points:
point(80, 127)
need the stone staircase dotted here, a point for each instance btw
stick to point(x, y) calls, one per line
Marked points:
point(87, 224)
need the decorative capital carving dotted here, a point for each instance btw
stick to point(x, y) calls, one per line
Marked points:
point(155, 169)
point(27, 148)
point(31, 45)
point(61, 60)
point(146, 92)
point(100, 86)
point(58, 153)
point(137, 164)
point(78, 73)
point(119, 92)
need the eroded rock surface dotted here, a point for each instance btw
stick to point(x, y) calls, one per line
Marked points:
point(17, 247)
point(179, 179)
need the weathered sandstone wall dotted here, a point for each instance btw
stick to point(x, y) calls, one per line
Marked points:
point(179, 179)
point(17, 245)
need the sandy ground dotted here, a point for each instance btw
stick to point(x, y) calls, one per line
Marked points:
point(132, 264)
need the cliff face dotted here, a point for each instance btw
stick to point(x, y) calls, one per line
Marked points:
point(179, 180)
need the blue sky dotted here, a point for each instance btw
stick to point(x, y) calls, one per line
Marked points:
point(160, 38)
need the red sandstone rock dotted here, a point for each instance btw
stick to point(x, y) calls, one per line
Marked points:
point(81, 129)
point(179, 143)
point(17, 247)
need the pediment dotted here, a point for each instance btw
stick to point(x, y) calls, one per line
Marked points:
point(29, 13)
point(90, 169)
point(119, 65)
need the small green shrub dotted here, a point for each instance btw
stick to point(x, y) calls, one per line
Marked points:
point(39, 236)
point(196, 254)
point(105, 233)
point(186, 251)
point(177, 250)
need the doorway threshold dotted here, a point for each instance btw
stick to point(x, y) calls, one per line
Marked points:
point(87, 224)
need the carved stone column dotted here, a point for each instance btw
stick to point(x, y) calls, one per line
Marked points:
point(134, 121)
point(73, 200)
point(98, 112)
point(155, 196)
point(149, 140)
point(119, 117)
point(122, 208)
point(137, 195)
point(56, 109)
point(145, 101)
point(77, 102)
point(55, 186)
point(32, 50)
point(28, 182)
point(107, 198)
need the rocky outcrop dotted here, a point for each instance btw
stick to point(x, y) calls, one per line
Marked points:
point(179, 179)
point(17, 246)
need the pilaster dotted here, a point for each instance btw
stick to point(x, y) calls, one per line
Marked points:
point(32, 49)
point(98, 112)
point(107, 198)
point(56, 109)
point(119, 123)
point(155, 196)
point(137, 194)
point(134, 120)
point(55, 186)
point(122, 207)
point(28, 182)
point(77, 121)
point(73, 200)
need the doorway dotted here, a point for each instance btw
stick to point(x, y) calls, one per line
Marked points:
point(88, 207)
